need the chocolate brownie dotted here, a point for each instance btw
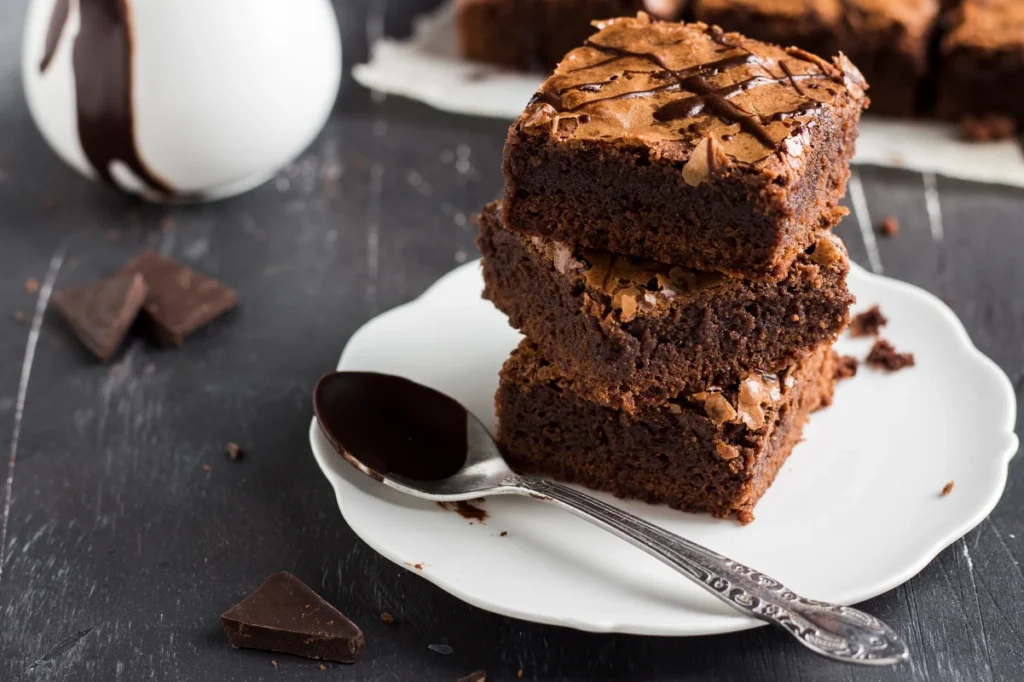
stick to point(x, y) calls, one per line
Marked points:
point(632, 332)
point(982, 61)
point(714, 451)
point(526, 34)
point(887, 39)
point(683, 144)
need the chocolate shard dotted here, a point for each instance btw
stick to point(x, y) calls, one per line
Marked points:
point(286, 616)
point(181, 300)
point(101, 313)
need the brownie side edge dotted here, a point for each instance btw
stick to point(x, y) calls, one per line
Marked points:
point(674, 457)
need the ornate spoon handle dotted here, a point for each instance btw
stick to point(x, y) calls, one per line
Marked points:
point(838, 632)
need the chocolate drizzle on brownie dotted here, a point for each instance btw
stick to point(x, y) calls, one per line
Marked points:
point(701, 96)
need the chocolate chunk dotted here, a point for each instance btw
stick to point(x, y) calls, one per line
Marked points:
point(285, 616)
point(846, 367)
point(234, 451)
point(101, 313)
point(180, 300)
point(478, 676)
point(885, 356)
point(868, 323)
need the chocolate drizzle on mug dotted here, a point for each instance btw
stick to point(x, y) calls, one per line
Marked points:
point(103, 70)
point(385, 425)
point(703, 96)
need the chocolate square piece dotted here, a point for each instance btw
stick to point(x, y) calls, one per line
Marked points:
point(982, 61)
point(101, 313)
point(686, 145)
point(286, 616)
point(180, 300)
point(631, 332)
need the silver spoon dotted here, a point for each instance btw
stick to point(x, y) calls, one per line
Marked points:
point(423, 443)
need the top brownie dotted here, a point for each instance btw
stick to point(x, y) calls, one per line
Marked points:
point(687, 145)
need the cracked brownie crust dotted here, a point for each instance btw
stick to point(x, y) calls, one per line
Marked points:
point(715, 451)
point(633, 333)
point(687, 145)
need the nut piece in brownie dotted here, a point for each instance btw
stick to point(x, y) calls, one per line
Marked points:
point(526, 34)
point(632, 332)
point(982, 61)
point(683, 144)
point(715, 451)
point(887, 39)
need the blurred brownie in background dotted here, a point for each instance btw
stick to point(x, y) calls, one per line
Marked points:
point(981, 68)
point(536, 34)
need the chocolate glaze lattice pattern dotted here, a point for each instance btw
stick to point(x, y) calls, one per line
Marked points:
point(693, 81)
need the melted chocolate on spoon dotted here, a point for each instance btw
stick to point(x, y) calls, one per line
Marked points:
point(103, 70)
point(390, 425)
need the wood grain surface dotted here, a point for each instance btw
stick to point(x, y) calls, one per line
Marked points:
point(127, 530)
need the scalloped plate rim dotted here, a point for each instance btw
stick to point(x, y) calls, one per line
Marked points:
point(922, 556)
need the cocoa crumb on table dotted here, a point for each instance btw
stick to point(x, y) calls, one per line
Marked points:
point(987, 128)
point(846, 367)
point(31, 285)
point(883, 355)
point(234, 451)
point(868, 323)
point(890, 227)
point(18, 317)
point(503, 533)
point(387, 618)
point(947, 489)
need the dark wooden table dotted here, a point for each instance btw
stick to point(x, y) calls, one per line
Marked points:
point(129, 530)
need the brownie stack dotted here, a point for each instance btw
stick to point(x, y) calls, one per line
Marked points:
point(664, 244)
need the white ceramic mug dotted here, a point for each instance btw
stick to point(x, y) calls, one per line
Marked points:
point(181, 100)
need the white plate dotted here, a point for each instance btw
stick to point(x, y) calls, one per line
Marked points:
point(428, 68)
point(855, 511)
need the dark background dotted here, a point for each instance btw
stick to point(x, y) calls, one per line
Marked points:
point(122, 549)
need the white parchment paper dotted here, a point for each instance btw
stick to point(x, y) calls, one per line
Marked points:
point(427, 68)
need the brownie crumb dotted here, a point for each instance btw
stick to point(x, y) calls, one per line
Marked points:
point(387, 618)
point(947, 489)
point(31, 285)
point(503, 533)
point(890, 227)
point(885, 356)
point(206, 467)
point(478, 676)
point(273, 663)
point(18, 317)
point(868, 323)
point(234, 451)
point(846, 367)
point(987, 128)
point(323, 667)
point(744, 517)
